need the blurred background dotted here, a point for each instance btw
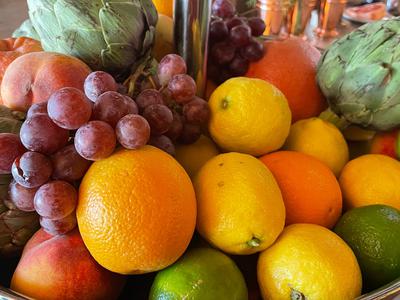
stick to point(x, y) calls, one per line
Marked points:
point(12, 13)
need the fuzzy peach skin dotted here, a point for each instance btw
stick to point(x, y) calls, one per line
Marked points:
point(33, 77)
point(60, 267)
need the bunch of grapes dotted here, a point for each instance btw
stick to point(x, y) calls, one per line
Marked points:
point(234, 42)
point(61, 137)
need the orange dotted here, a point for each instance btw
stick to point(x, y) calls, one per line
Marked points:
point(291, 65)
point(309, 188)
point(165, 7)
point(371, 179)
point(136, 211)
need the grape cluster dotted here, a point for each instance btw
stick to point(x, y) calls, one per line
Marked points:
point(61, 137)
point(234, 42)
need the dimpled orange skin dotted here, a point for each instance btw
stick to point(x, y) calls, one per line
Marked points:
point(136, 211)
point(309, 189)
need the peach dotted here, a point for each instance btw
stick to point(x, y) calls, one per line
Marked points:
point(387, 143)
point(11, 48)
point(33, 77)
point(60, 267)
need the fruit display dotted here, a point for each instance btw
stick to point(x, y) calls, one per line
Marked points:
point(122, 178)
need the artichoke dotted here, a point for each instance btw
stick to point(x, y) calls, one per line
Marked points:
point(111, 35)
point(360, 75)
point(16, 226)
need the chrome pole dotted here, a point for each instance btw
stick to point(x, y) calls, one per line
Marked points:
point(191, 28)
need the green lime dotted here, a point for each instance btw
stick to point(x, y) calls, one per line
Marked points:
point(202, 273)
point(373, 232)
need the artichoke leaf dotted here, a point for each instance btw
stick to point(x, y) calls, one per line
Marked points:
point(121, 53)
point(41, 14)
point(26, 29)
point(122, 23)
point(150, 12)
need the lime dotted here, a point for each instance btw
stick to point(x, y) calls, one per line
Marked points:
point(373, 232)
point(202, 273)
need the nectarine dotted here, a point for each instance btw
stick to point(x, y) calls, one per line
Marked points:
point(60, 267)
point(33, 77)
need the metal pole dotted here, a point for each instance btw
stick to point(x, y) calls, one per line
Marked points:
point(191, 27)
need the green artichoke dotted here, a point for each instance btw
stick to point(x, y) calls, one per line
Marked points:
point(16, 226)
point(111, 35)
point(360, 75)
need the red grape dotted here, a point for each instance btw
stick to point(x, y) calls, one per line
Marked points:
point(235, 21)
point(58, 227)
point(257, 26)
point(39, 133)
point(253, 51)
point(21, 196)
point(55, 200)
point(164, 143)
point(159, 117)
point(175, 129)
point(169, 66)
point(182, 88)
point(196, 111)
point(31, 169)
point(110, 107)
point(95, 140)
point(239, 66)
point(223, 9)
point(218, 30)
point(223, 52)
point(149, 97)
point(98, 83)
point(133, 131)
point(37, 108)
point(190, 133)
point(240, 35)
point(10, 149)
point(68, 165)
point(69, 108)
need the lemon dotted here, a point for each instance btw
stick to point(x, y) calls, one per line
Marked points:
point(309, 262)
point(192, 157)
point(240, 206)
point(164, 39)
point(371, 179)
point(202, 273)
point(373, 232)
point(321, 140)
point(249, 116)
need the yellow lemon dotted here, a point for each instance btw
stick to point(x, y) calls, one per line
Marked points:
point(249, 115)
point(164, 7)
point(240, 206)
point(164, 40)
point(320, 139)
point(371, 179)
point(309, 262)
point(192, 157)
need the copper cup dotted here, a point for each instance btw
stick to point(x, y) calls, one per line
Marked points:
point(330, 16)
point(274, 13)
point(299, 15)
